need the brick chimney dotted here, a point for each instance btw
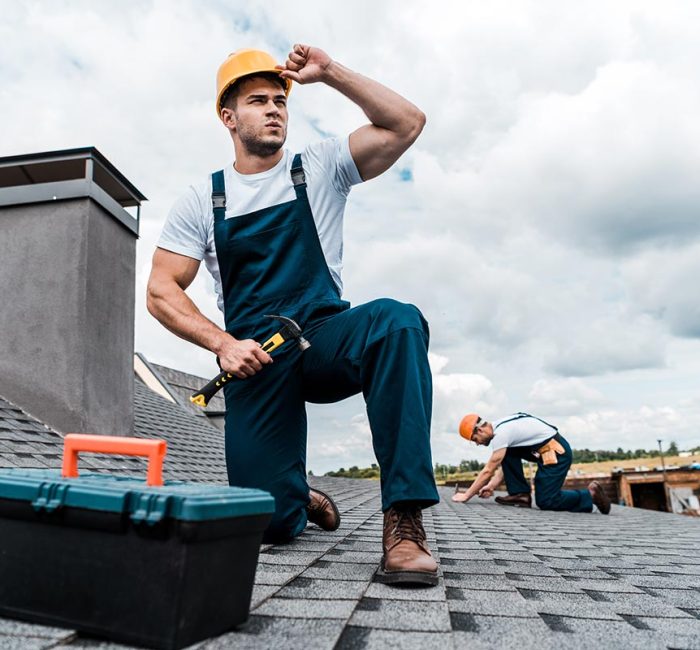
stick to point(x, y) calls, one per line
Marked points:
point(67, 259)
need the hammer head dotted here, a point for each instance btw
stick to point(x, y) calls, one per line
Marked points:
point(290, 330)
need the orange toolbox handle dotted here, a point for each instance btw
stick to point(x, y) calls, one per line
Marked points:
point(155, 450)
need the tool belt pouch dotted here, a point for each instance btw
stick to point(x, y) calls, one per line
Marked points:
point(548, 452)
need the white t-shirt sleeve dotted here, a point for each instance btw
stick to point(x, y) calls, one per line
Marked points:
point(500, 439)
point(185, 231)
point(334, 158)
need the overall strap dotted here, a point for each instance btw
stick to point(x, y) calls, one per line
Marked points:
point(218, 195)
point(298, 176)
point(520, 415)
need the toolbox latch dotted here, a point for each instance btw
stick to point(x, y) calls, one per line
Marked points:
point(51, 497)
point(151, 508)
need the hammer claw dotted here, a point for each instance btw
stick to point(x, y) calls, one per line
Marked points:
point(289, 330)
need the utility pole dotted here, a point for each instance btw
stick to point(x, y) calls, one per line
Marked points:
point(663, 471)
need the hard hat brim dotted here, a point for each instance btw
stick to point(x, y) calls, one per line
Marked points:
point(222, 92)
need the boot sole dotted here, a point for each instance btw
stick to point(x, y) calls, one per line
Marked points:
point(406, 577)
point(515, 505)
point(336, 512)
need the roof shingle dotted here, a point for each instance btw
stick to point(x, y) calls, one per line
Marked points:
point(509, 576)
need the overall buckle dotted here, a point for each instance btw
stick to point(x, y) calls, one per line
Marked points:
point(298, 176)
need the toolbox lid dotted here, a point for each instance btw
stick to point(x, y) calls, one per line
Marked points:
point(47, 490)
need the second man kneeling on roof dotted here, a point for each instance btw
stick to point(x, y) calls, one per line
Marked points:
point(521, 437)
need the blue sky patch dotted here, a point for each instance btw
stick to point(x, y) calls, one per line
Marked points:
point(405, 174)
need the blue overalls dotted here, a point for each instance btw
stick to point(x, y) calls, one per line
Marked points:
point(271, 262)
point(548, 479)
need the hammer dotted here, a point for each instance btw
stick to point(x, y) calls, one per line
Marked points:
point(290, 330)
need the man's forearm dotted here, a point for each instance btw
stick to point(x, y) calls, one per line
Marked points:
point(175, 311)
point(384, 107)
point(481, 480)
point(497, 479)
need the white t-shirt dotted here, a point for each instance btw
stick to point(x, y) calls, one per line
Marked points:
point(330, 173)
point(521, 432)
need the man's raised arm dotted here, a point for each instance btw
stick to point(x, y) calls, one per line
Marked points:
point(395, 122)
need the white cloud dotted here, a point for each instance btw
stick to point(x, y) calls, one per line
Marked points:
point(550, 231)
point(608, 344)
point(454, 395)
point(339, 441)
point(638, 428)
point(563, 397)
point(661, 284)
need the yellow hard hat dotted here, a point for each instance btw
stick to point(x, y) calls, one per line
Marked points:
point(466, 426)
point(240, 64)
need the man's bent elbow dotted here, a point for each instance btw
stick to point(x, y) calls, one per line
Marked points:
point(421, 120)
point(414, 127)
point(153, 300)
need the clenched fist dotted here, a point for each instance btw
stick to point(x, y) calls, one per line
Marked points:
point(305, 64)
point(242, 358)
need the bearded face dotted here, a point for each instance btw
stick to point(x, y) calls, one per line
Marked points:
point(259, 116)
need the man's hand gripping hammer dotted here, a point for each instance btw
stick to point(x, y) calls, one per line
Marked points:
point(289, 331)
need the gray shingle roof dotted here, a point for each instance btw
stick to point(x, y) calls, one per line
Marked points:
point(27, 442)
point(508, 576)
point(195, 447)
point(184, 384)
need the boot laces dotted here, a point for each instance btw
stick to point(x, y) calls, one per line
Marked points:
point(408, 525)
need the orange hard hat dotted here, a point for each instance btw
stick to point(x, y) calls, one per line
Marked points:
point(241, 64)
point(466, 426)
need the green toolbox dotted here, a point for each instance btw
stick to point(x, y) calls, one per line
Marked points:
point(158, 564)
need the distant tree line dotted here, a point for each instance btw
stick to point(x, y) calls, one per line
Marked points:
point(373, 470)
point(597, 455)
point(579, 456)
point(463, 467)
point(357, 472)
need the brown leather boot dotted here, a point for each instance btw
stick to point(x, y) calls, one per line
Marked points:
point(599, 497)
point(522, 500)
point(407, 558)
point(322, 511)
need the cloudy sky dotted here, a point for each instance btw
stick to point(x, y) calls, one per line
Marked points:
point(547, 221)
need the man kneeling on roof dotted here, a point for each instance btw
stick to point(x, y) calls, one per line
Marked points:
point(521, 437)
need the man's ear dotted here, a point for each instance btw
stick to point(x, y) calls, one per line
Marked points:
point(228, 117)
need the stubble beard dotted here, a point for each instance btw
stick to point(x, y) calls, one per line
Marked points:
point(256, 145)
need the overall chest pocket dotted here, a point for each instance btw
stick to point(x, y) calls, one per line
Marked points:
point(268, 264)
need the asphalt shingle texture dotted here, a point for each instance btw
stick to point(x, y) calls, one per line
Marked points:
point(184, 384)
point(508, 577)
point(195, 447)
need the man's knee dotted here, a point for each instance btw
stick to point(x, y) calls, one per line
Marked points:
point(288, 520)
point(546, 501)
point(289, 490)
point(284, 529)
point(397, 315)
